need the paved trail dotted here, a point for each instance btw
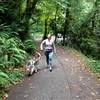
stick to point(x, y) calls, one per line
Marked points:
point(67, 81)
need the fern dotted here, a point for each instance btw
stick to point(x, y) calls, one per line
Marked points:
point(4, 75)
point(4, 79)
point(15, 60)
point(16, 75)
point(29, 46)
point(2, 66)
point(10, 52)
point(4, 82)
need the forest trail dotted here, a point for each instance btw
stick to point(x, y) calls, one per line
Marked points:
point(67, 81)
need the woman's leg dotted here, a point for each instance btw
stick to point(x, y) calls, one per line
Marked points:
point(50, 60)
point(47, 57)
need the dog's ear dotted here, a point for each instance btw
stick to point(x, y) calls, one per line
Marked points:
point(39, 55)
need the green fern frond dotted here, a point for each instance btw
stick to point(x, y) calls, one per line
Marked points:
point(4, 75)
point(16, 60)
point(20, 57)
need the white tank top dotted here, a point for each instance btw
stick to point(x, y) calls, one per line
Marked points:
point(48, 44)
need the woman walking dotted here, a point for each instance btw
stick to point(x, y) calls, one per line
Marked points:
point(48, 47)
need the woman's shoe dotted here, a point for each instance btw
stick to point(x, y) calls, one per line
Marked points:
point(50, 69)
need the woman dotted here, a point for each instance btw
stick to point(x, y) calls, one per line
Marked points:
point(48, 47)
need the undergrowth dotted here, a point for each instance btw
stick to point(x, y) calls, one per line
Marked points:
point(92, 64)
point(13, 54)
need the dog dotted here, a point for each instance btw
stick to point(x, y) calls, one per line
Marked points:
point(31, 65)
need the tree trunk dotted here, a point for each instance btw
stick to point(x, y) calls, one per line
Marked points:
point(26, 17)
point(65, 25)
point(55, 31)
point(46, 29)
point(94, 16)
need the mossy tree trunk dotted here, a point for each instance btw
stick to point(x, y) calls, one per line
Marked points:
point(25, 18)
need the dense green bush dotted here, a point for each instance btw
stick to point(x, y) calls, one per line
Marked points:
point(93, 65)
point(15, 75)
point(89, 46)
point(90, 63)
point(30, 46)
point(4, 80)
point(10, 53)
point(13, 53)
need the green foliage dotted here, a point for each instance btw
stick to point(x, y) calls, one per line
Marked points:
point(90, 46)
point(94, 65)
point(15, 75)
point(90, 63)
point(4, 80)
point(14, 27)
point(30, 46)
point(11, 54)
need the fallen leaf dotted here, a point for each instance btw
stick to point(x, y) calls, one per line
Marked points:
point(32, 87)
point(25, 96)
point(92, 93)
point(77, 96)
point(67, 87)
point(66, 59)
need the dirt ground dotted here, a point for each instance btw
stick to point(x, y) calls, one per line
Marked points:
point(68, 81)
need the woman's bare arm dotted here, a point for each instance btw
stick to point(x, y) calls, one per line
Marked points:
point(41, 45)
point(54, 48)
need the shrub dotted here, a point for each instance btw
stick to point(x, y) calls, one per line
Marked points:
point(15, 75)
point(10, 53)
point(4, 80)
point(30, 46)
point(89, 46)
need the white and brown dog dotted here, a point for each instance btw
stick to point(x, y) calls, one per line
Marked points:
point(31, 65)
